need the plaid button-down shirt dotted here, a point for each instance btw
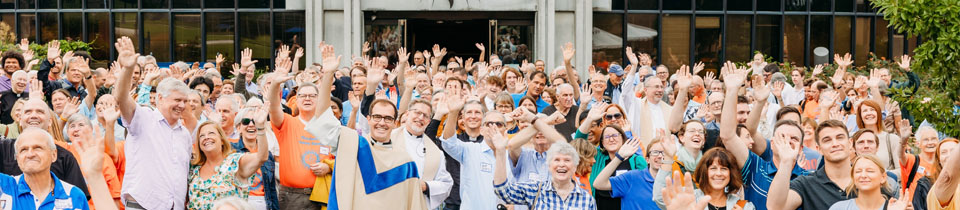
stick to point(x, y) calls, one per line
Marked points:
point(544, 196)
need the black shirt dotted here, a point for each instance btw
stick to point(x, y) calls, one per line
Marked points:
point(817, 191)
point(566, 128)
point(7, 99)
point(65, 167)
point(604, 198)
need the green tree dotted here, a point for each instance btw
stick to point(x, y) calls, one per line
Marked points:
point(936, 60)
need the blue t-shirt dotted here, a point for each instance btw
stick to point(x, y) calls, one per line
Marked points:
point(758, 174)
point(634, 188)
point(63, 196)
point(540, 103)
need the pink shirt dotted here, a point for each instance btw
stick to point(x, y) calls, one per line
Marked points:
point(158, 161)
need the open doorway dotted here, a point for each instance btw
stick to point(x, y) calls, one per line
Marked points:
point(457, 36)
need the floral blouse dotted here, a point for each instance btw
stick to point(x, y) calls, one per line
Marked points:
point(225, 183)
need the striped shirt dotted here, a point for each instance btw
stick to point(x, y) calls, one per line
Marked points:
point(541, 195)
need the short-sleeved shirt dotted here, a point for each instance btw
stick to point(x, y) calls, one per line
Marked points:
point(818, 191)
point(757, 174)
point(531, 166)
point(540, 102)
point(634, 188)
point(934, 204)
point(224, 183)
point(568, 127)
point(848, 205)
point(63, 196)
point(298, 150)
point(156, 183)
point(8, 189)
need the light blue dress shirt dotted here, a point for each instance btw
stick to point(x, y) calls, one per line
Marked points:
point(476, 173)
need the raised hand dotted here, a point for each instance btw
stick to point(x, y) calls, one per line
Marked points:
point(376, 72)
point(632, 57)
point(480, 47)
point(283, 66)
point(219, 60)
point(366, 48)
point(24, 44)
point(760, 89)
point(28, 56)
point(874, 81)
point(260, 117)
point(597, 112)
point(70, 107)
point(735, 78)
point(90, 147)
point(330, 60)
point(684, 78)
point(669, 145)
point(905, 128)
point(679, 195)
point(109, 114)
point(491, 133)
point(283, 53)
point(837, 77)
point(585, 97)
point(127, 55)
point(843, 62)
point(629, 148)
point(645, 59)
point(355, 99)
point(454, 101)
point(698, 67)
point(438, 53)
point(236, 70)
point(403, 55)
point(817, 70)
point(568, 52)
point(459, 61)
point(36, 89)
point(788, 152)
point(709, 78)
point(246, 58)
point(555, 119)
point(904, 62)
point(778, 88)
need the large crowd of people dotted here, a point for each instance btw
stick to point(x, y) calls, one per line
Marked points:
point(440, 132)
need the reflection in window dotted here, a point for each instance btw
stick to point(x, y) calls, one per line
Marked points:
point(843, 6)
point(28, 26)
point(72, 26)
point(675, 40)
point(254, 4)
point(96, 4)
point(819, 40)
point(27, 4)
point(768, 5)
point(514, 43)
point(882, 40)
point(186, 4)
point(795, 5)
point(385, 40)
point(156, 3)
point(48, 26)
point(864, 6)
point(217, 4)
point(793, 33)
point(254, 28)
point(607, 40)
point(642, 5)
point(897, 45)
point(124, 3)
point(47, 4)
point(71, 4)
point(738, 38)
point(219, 28)
point(841, 34)
point(820, 5)
point(911, 45)
point(708, 41)
point(125, 24)
point(7, 4)
point(709, 5)
point(768, 31)
point(740, 5)
point(642, 34)
point(156, 35)
point(676, 5)
point(862, 40)
point(10, 20)
point(288, 29)
point(186, 33)
point(98, 32)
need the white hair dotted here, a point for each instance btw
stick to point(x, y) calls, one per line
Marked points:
point(234, 202)
point(563, 148)
point(19, 73)
point(171, 84)
point(924, 129)
point(180, 64)
point(50, 144)
point(240, 115)
point(234, 105)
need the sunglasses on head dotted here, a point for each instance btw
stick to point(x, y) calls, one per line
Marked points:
point(613, 116)
point(246, 121)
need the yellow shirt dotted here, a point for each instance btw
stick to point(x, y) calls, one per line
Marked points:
point(934, 204)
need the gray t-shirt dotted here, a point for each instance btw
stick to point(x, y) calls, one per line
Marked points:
point(847, 205)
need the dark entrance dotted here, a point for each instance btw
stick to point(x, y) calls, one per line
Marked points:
point(457, 36)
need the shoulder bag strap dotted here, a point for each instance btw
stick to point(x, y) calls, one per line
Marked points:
point(890, 152)
point(537, 197)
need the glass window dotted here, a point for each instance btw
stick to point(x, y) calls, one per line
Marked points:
point(125, 24)
point(72, 4)
point(768, 29)
point(843, 6)
point(709, 5)
point(617, 4)
point(156, 4)
point(708, 41)
point(220, 35)
point(218, 4)
point(10, 20)
point(862, 40)
point(254, 28)
point(96, 4)
point(769, 5)
point(842, 34)
point(8, 4)
point(47, 4)
point(793, 35)
point(156, 35)
point(186, 29)
point(675, 40)
point(882, 41)
point(864, 6)
point(28, 4)
point(642, 4)
point(279, 4)
point(738, 38)
point(254, 4)
point(124, 3)
point(48, 26)
point(820, 5)
point(820, 44)
point(288, 29)
point(515, 42)
point(186, 4)
point(98, 32)
point(607, 40)
point(911, 45)
point(676, 5)
point(740, 5)
point(72, 26)
point(795, 5)
point(898, 46)
point(28, 26)
point(642, 34)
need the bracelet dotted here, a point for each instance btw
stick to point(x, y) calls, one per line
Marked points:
point(620, 157)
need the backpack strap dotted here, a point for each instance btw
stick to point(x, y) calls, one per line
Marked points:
point(913, 172)
point(537, 197)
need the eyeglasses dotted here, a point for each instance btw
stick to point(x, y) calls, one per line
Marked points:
point(695, 131)
point(655, 153)
point(418, 113)
point(504, 106)
point(495, 124)
point(378, 118)
point(307, 95)
point(246, 121)
point(611, 136)
point(614, 116)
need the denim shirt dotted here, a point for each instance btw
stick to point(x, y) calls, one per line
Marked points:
point(269, 182)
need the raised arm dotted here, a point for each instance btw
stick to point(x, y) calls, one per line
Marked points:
point(90, 148)
point(684, 79)
point(127, 57)
point(500, 152)
point(453, 103)
point(546, 124)
point(781, 197)
point(595, 114)
point(88, 82)
point(438, 54)
point(728, 118)
point(483, 51)
point(108, 119)
point(760, 93)
point(602, 182)
point(296, 61)
point(330, 63)
point(250, 162)
point(568, 53)
point(947, 182)
point(273, 96)
point(375, 75)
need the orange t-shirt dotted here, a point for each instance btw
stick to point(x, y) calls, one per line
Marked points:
point(299, 150)
point(121, 162)
point(811, 109)
point(584, 182)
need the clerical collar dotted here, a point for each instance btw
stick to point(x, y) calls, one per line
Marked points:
point(383, 144)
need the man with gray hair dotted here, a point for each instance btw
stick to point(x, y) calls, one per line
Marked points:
point(565, 106)
point(77, 75)
point(227, 108)
point(151, 182)
point(9, 97)
point(35, 153)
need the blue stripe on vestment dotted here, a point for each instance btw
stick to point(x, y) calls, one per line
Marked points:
point(373, 181)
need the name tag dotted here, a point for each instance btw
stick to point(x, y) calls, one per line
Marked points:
point(324, 150)
point(62, 204)
point(534, 177)
point(619, 172)
point(486, 167)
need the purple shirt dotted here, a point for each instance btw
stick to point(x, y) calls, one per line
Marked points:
point(154, 182)
point(5, 83)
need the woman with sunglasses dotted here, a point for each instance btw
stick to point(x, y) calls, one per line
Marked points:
point(612, 139)
point(263, 191)
point(216, 171)
point(605, 114)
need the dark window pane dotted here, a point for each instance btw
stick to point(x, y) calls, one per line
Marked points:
point(882, 41)
point(897, 45)
point(220, 37)
point(125, 24)
point(617, 4)
point(675, 40)
point(28, 4)
point(642, 33)
point(842, 26)
point(96, 4)
point(676, 5)
point(793, 34)
point(607, 41)
point(48, 26)
point(819, 45)
point(863, 40)
point(738, 38)
point(72, 4)
point(156, 4)
point(708, 41)
point(218, 4)
point(820, 5)
point(642, 4)
point(796, 5)
point(72, 26)
point(864, 6)
point(254, 3)
point(8, 4)
point(47, 4)
point(843, 6)
point(709, 5)
point(98, 32)
point(768, 31)
point(125, 3)
point(289, 29)
point(186, 4)
point(911, 45)
point(254, 30)
point(28, 26)
point(279, 4)
point(186, 29)
point(769, 5)
point(156, 35)
point(521, 36)
point(742, 5)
